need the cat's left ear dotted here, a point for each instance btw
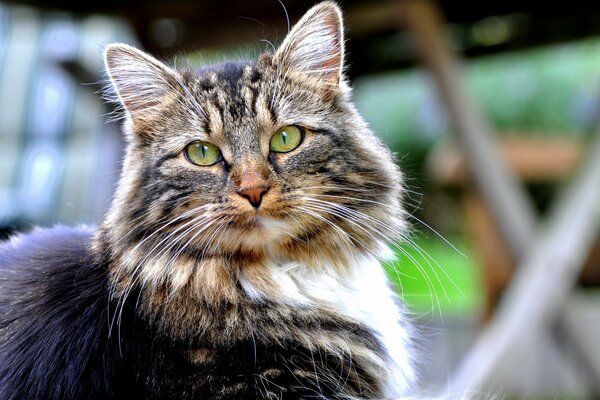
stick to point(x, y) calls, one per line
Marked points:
point(140, 80)
point(315, 45)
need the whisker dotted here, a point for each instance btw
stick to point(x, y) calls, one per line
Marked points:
point(426, 278)
point(349, 239)
point(435, 232)
point(174, 220)
point(396, 208)
point(423, 252)
point(357, 219)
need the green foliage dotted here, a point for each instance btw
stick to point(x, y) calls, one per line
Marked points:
point(550, 90)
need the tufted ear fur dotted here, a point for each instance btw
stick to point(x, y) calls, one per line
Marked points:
point(315, 45)
point(140, 81)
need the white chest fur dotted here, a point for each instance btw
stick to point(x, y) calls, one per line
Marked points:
point(363, 295)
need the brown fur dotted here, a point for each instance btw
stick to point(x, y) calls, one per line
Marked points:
point(181, 234)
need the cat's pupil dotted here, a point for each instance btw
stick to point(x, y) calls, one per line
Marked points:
point(284, 137)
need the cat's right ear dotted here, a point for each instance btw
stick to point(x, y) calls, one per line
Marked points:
point(140, 81)
point(315, 45)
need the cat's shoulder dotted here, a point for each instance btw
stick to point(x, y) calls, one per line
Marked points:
point(48, 265)
point(53, 300)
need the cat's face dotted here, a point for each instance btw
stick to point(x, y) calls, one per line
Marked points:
point(254, 158)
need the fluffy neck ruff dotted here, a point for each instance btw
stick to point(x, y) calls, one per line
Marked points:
point(271, 301)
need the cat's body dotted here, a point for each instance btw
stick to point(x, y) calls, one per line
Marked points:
point(241, 255)
point(64, 338)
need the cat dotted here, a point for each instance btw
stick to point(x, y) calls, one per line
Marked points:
point(241, 255)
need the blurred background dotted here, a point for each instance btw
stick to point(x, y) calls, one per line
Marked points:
point(491, 110)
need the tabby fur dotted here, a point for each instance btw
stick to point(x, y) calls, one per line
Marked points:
point(188, 291)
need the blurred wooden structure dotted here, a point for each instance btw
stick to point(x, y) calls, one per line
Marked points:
point(534, 159)
point(519, 337)
point(178, 26)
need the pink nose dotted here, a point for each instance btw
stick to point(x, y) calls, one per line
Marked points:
point(253, 185)
point(254, 194)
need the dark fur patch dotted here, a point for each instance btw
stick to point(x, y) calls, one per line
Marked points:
point(231, 73)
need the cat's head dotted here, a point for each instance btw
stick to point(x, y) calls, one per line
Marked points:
point(251, 159)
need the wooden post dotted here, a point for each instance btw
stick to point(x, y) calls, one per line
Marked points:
point(514, 212)
point(549, 262)
point(542, 281)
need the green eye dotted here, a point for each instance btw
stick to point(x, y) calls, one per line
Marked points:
point(286, 139)
point(202, 153)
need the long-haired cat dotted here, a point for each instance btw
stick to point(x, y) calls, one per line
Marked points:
point(240, 258)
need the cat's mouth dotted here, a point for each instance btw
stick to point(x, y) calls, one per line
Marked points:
point(266, 222)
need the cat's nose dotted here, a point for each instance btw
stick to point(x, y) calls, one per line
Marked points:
point(254, 195)
point(253, 186)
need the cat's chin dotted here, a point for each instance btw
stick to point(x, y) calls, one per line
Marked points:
point(261, 229)
point(271, 224)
